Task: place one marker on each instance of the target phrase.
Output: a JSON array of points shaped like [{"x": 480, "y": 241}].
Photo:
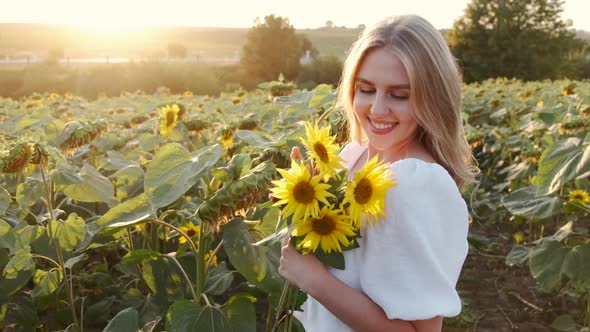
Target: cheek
[{"x": 360, "y": 104}]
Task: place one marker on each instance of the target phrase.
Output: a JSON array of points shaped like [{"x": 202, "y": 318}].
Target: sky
[{"x": 114, "y": 15}]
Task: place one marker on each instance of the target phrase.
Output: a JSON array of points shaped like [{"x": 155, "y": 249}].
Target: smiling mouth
[{"x": 381, "y": 126}]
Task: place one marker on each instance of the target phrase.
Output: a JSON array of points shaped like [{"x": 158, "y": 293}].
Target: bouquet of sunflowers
[{"x": 322, "y": 208}]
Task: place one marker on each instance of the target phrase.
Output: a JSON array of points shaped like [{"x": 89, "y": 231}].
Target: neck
[{"x": 392, "y": 155}]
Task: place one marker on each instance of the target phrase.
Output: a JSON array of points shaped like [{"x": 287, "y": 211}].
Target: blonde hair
[{"x": 435, "y": 83}]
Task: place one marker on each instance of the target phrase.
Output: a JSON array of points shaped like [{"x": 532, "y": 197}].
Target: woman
[{"x": 401, "y": 89}]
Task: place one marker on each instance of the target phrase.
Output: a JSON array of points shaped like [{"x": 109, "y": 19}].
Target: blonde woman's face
[{"x": 382, "y": 102}]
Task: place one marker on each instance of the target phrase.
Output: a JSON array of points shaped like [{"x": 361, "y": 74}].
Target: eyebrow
[{"x": 394, "y": 86}]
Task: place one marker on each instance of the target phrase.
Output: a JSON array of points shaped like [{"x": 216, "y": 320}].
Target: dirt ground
[{"x": 497, "y": 297}]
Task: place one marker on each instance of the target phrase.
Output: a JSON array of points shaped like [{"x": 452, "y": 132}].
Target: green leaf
[
  {"x": 48, "y": 284},
  {"x": 29, "y": 234},
  {"x": 164, "y": 279},
  {"x": 525, "y": 202},
  {"x": 333, "y": 259},
  {"x": 29, "y": 192},
  {"x": 322, "y": 94},
  {"x": 8, "y": 238},
  {"x": 128, "y": 180},
  {"x": 139, "y": 256},
  {"x": 21, "y": 261},
  {"x": 5, "y": 200},
  {"x": 583, "y": 168},
  {"x": 69, "y": 264},
  {"x": 269, "y": 222},
  {"x": 69, "y": 233},
  {"x": 251, "y": 137},
  {"x": 545, "y": 263},
  {"x": 558, "y": 165},
  {"x": 65, "y": 174},
  {"x": 258, "y": 264},
  {"x": 14, "y": 284},
  {"x": 564, "y": 323},
  {"x": 518, "y": 255},
  {"x": 173, "y": 171},
  {"x": 127, "y": 213},
  {"x": 219, "y": 279},
  {"x": 187, "y": 316},
  {"x": 94, "y": 188},
  {"x": 241, "y": 313},
  {"x": 576, "y": 265},
  {"x": 127, "y": 320}
]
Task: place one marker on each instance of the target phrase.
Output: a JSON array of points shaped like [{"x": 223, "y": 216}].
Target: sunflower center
[
  {"x": 363, "y": 191},
  {"x": 303, "y": 192},
  {"x": 169, "y": 119},
  {"x": 191, "y": 232},
  {"x": 321, "y": 151},
  {"x": 323, "y": 226}
]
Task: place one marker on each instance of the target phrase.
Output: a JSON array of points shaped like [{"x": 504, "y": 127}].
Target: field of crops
[{"x": 151, "y": 212}]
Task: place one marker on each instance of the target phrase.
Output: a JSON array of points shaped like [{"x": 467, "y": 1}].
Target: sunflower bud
[{"x": 17, "y": 159}]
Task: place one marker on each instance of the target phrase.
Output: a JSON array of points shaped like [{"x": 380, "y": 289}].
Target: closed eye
[{"x": 398, "y": 97}]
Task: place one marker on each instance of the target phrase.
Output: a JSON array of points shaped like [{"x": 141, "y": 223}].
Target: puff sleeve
[{"x": 413, "y": 257}]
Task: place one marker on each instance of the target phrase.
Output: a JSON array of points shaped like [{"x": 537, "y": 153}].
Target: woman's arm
[{"x": 352, "y": 307}]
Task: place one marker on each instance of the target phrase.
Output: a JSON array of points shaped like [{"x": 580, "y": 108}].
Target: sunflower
[
  {"x": 187, "y": 94},
  {"x": 329, "y": 230},
  {"x": 300, "y": 191},
  {"x": 320, "y": 146},
  {"x": 192, "y": 231},
  {"x": 579, "y": 196},
  {"x": 168, "y": 119},
  {"x": 227, "y": 138},
  {"x": 213, "y": 260},
  {"x": 366, "y": 192},
  {"x": 17, "y": 160}
]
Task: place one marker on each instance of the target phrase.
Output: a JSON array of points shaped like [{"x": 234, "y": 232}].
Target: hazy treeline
[
  {"x": 92, "y": 81},
  {"x": 524, "y": 39}
]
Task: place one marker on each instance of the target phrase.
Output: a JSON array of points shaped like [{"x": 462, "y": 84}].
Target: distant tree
[
  {"x": 525, "y": 39},
  {"x": 177, "y": 50},
  {"x": 306, "y": 45},
  {"x": 329, "y": 24},
  {"x": 326, "y": 69},
  {"x": 360, "y": 27},
  {"x": 54, "y": 55},
  {"x": 272, "y": 47}
]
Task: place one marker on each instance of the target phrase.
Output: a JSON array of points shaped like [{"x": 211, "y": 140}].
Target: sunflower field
[{"x": 151, "y": 212}]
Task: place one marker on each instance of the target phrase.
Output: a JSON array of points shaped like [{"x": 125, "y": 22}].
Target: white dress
[{"x": 410, "y": 261}]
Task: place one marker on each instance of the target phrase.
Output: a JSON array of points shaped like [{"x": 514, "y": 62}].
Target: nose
[{"x": 379, "y": 105}]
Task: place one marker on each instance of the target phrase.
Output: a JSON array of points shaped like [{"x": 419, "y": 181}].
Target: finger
[
  {"x": 285, "y": 240},
  {"x": 296, "y": 154}
]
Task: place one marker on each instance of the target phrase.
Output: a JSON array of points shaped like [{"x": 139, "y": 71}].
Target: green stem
[
  {"x": 190, "y": 284},
  {"x": 69, "y": 286},
  {"x": 201, "y": 273},
  {"x": 269, "y": 315},
  {"x": 208, "y": 263},
  {"x": 280, "y": 306},
  {"x": 199, "y": 255},
  {"x": 325, "y": 115},
  {"x": 130, "y": 239},
  {"x": 48, "y": 193},
  {"x": 47, "y": 259}
]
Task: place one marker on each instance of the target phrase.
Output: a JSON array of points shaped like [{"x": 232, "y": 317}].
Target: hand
[{"x": 303, "y": 271}]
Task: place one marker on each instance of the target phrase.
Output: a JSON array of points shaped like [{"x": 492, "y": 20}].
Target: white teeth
[{"x": 382, "y": 125}]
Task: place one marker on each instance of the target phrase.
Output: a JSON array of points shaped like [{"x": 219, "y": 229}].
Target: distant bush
[
  {"x": 93, "y": 80},
  {"x": 326, "y": 69}
]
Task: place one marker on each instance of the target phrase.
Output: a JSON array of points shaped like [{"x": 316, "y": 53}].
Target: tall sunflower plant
[{"x": 323, "y": 209}]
